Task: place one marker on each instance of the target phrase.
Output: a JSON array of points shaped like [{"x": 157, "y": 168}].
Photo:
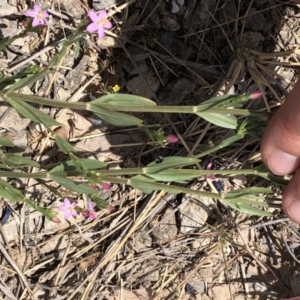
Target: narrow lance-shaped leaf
[
  {"x": 113, "y": 117},
  {"x": 6, "y": 142},
  {"x": 173, "y": 175},
  {"x": 47, "y": 212},
  {"x": 9, "y": 80},
  {"x": 78, "y": 163},
  {"x": 69, "y": 166},
  {"x": 225, "y": 143},
  {"x": 248, "y": 209},
  {"x": 9, "y": 192},
  {"x": 100, "y": 202},
  {"x": 70, "y": 184},
  {"x": 63, "y": 145},
  {"x": 14, "y": 160},
  {"x": 28, "y": 80},
  {"x": 8, "y": 40},
  {"x": 147, "y": 185},
  {"x": 169, "y": 162},
  {"x": 30, "y": 112},
  {"x": 221, "y": 120},
  {"x": 223, "y": 101},
  {"x": 116, "y": 100},
  {"x": 247, "y": 191}
]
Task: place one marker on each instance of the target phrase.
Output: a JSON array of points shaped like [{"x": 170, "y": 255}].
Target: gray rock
[
  {"x": 252, "y": 39},
  {"x": 104, "y": 4},
  {"x": 151, "y": 276},
  {"x": 165, "y": 230},
  {"x": 228, "y": 12},
  {"x": 170, "y": 22},
  {"x": 129, "y": 67},
  {"x": 197, "y": 283},
  {"x": 137, "y": 54},
  {"x": 256, "y": 21},
  {"x": 203, "y": 13},
  {"x": 19, "y": 138},
  {"x": 11, "y": 119},
  {"x": 138, "y": 86},
  {"x": 175, "y": 92},
  {"x": 295, "y": 283},
  {"x": 194, "y": 213}
]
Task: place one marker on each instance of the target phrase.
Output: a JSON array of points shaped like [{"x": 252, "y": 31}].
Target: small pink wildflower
[
  {"x": 209, "y": 167},
  {"x": 56, "y": 220},
  {"x": 39, "y": 16},
  {"x": 106, "y": 186},
  {"x": 68, "y": 208},
  {"x": 90, "y": 212},
  {"x": 110, "y": 208},
  {"x": 171, "y": 139},
  {"x": 99, "y": 22},
  {"x": 255, "y": 95}
]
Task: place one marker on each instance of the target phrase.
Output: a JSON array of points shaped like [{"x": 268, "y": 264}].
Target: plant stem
[
  {"x": 137, "y": 171},
  {"x": 123, "y": 108}
]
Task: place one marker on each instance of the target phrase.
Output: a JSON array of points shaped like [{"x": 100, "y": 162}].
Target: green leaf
[
  {"x": 248, "y": 209},
  {"x": 225, "y": 143},
  {"x": 247, "y": 191},
  {"x": 70, "y": 184},
  {"x": 28, "y": 80},
  {"x": 63, "y": 145},
  {"x": 116, "y": 100},
  {"x": 169, "y": 162},
  {"x": 221, "y": 120},
  {"x": 173, "y": 175},
  {"x": 114, "y": 117},
  {"x": 223, "y": 101},
  {"x": 30, "y": 112},
  {"x": 14, "y": 161},
  {"x": 47, "y": 212},
  {"x": 3, "y": 166},
  {"x": 4, "y": 42},
  {"x": 147, "y": 185},
  {"x": 58, "y": 57},
  {"x": 77, "y": 162},
  {"x": 266, "y": 174},
  {"x": 88, "y": 164},
  {"x": 53, "y": 190},
  {"x": 10, "y": 193},
  {"x": 6, "y": 142},
  {"x": 100, "y": 202}
]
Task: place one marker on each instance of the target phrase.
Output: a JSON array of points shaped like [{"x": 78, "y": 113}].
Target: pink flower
[
  {"x": 171, "y": 139},
  {"x": 255, "y": 95},
  {"x": 39, "y": 16},
  {"x": 111, "y": 208},
  {"x": 56, "y": 220},
  {"x": 99, "y": 22},
  {"x": 68, "y": 208},
  {"x": 209, "y": 167},
  {"x": 106, "y": 186},
  {"x": 90, "y": 212}
]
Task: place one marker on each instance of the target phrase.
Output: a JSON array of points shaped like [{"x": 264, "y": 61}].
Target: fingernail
[
  {"x": 282, "y": 163},
  {"x": 293, "y": 210}
]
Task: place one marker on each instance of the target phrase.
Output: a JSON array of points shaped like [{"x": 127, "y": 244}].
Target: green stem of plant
[
  {"x": 137, "y": 171},
  {"x": 120, "y": 108},
  {"x": 182, "y": 189}
]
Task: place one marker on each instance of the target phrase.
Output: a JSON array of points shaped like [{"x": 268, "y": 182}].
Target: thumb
[
  {"x": 280, "y": 149},
  {"x": 280, "y": 146}
]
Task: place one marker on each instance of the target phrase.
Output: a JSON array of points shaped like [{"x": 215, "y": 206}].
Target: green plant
[{"x": 113, "y": 108}]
